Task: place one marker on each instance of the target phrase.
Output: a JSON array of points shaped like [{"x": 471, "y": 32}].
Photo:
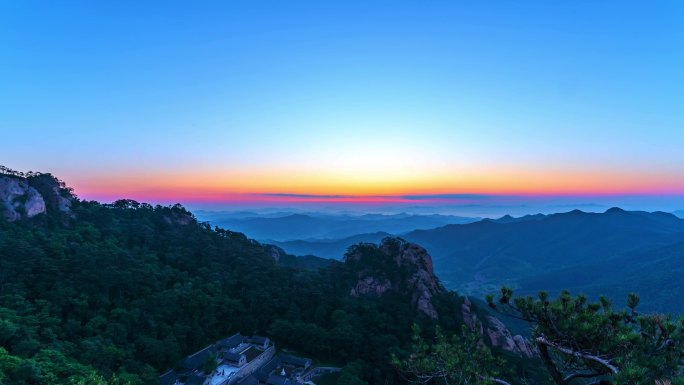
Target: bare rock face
[
  {"x": 34, "y": 203},
  {"x": 26, "y": 195},
  {"x": 495, "y": 330},
  {"x": 275, "y": 252},
  {"x": 370, "y": 286},
  {"x": 424, "y": 282},
  {"x": 407, "y": 267},
  {"x": 63, "y": 203},
  {"x": 18, "y": 199},
  {"x": 523, "y": 346},
  {"x": 469, "y": 318},
  {"x": 500, "y": 336},
  {"x": 179, "y": 219}
]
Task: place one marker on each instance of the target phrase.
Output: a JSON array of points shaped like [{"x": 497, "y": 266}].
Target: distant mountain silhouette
[
  {"x": 510, "y": 219},
  {"x": 296, "y": 226},
  {"x": 333, "y": 248},
  {"x": 656, "y": 274},
  {"x": 613, "y": 252},
  {"x": 610, "y": 253}
]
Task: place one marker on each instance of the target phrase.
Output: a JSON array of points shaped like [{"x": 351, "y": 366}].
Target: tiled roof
[
  {"x": 250, "y": 380},
  {"x": 196, "y": 360},
  {"x": 270, "y": 365},
  {"x": 168, "y": 378},
  {"x": 296, "y": 361},
  {"x": 277, "y": 380},
  {"x": 194, "y": 379},
  {"x": 259, "y": 340},
  {"x": 232, "y": 357},
  {"x": 231, "y": 342}
]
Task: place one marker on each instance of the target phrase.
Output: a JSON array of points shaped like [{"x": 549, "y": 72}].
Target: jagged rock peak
[
  {"x": 26, "y": 195},
  {"x": 396, "y": 265}
]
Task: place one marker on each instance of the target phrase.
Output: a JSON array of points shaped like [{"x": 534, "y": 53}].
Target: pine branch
[
  {"x": 589, "y": 357},
  {"x": 572, "y": 376}
]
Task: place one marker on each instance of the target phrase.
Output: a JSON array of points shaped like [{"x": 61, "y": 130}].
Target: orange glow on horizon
[{"x": 315, "y": 185}]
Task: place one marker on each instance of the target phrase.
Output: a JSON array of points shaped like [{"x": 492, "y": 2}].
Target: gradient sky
[{"x": 295, "y": 101}]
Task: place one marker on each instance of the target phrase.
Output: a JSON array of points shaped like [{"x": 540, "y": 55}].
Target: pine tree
[
  {"x": 459, "y": 359},
  {"x": 590, "y": 343}
]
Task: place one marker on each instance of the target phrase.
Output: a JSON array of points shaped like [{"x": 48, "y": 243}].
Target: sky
[{"x": 352, "y": 102}]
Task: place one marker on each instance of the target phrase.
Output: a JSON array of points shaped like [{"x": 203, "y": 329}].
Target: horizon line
[{"x": 455, "y": 198}]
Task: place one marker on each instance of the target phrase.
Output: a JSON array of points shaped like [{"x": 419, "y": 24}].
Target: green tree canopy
[
  {"x": 457, "y": 359},
  {"x": 582, "y": 342}
]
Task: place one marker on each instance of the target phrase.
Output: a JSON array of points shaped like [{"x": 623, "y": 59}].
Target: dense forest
[{"x": 114, "y": 294}]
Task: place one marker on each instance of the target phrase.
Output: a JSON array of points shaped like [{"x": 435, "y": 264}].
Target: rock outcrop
[
  {"x": 395, "y": 265},
  {"x": 18, "y": 199},
  {"x": 500, "y": 336},
  {"x": 275, "y": 252},
  {"x": 495, "y": 331},
  {"x": 29, "y": 195},
  {"x": 370, "y": 286},
  {"x": 181, "y": 219}
]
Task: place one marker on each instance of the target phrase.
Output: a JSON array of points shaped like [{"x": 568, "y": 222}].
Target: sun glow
[{"x": 368, "y": 175}]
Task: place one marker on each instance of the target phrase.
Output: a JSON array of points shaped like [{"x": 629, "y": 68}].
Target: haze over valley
[{"x": 592, "y": 253}]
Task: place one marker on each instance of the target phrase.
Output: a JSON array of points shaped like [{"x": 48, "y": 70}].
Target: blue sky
[{"x": 365, "y": 97}]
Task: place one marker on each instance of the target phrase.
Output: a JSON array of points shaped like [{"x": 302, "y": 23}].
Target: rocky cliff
[
  {"x": 395, "y": 265},
  {"x": 18, "y": 199},
  {"x": 495, "y": 332},
  {"x": 29, "y": 195}
]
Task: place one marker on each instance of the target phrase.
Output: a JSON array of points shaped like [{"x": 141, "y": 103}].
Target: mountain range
[
  {"x": 613, "y": 253},
  {"x": 286, "y": 226}
]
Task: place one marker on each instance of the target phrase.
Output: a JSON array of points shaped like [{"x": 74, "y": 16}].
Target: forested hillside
[
  {"x": 115, "y": 293},
  {"x": 615, "y": 253}
]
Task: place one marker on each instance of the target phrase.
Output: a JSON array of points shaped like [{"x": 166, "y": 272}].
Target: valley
[{"x": 612, "y": 253}]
